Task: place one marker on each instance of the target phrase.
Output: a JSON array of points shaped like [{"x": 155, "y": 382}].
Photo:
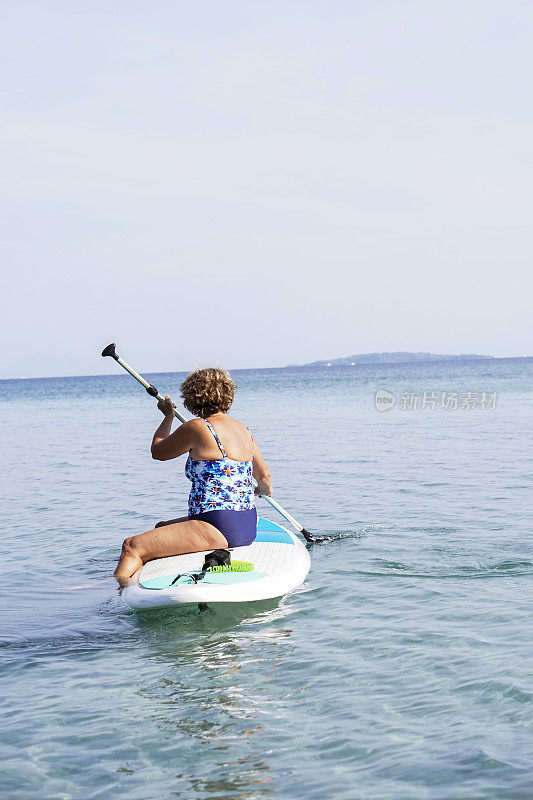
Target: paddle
[{"x": 153, "y": 392}]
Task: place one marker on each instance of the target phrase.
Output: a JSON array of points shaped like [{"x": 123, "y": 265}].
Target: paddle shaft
[{"x": 153, "y": 392}]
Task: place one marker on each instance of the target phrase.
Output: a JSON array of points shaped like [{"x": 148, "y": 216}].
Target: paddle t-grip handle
[{"x": 110, "y": 351}]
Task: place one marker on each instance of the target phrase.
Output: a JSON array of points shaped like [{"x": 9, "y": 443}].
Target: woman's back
[{"x": 235, "y": 438}]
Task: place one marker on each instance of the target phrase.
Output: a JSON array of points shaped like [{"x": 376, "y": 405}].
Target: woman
[{"x": 223, "y": 456}]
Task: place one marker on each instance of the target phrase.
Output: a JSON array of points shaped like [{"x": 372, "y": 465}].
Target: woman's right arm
[
  {"x": 262, "y": 474},
  {"x": 166, "y": 445}
]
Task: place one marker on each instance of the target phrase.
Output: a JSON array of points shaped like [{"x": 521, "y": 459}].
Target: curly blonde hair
[{"x": 206, "y": 391}]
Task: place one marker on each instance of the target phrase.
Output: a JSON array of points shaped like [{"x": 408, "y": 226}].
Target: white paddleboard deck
[{"x": 281, "y": 563}]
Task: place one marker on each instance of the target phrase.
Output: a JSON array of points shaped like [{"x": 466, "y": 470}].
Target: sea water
[{"x": 400, "y": 670}]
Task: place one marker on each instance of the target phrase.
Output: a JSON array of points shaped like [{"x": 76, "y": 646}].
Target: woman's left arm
[{"x": 166, "y": 445}]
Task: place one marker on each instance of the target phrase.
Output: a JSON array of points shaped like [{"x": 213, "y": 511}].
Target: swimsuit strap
[
  {"x": 253, "y": 441},
  {"x": 217, "y": 440}
]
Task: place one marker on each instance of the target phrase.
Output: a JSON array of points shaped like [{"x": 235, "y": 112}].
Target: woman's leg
[{"x": 169, "y": 540}]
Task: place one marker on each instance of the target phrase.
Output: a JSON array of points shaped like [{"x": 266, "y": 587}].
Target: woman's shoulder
[
  {"x": 237, "y": 426},
  {"x": 196, "y": 427},
  {"x": 236, "y": 421},
  {"x": 200, "y": 426}
]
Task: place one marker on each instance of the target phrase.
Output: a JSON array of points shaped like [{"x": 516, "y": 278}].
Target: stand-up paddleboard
[{"x": 279, "y": 559}]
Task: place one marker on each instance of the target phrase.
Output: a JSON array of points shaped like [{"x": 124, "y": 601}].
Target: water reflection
[{"x": 216, "y": 687}]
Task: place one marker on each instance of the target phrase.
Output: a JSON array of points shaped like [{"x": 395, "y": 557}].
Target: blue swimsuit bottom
[{"x": 239, "y": 527}]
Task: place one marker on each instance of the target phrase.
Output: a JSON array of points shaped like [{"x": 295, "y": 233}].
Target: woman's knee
[{"x": 130, "y": 546}]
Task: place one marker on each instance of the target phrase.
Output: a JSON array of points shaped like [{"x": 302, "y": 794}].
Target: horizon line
[{"x": 311, "y": 365}]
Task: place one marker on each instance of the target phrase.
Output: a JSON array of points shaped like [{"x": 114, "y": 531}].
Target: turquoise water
[{"x": 401, "y": 670}]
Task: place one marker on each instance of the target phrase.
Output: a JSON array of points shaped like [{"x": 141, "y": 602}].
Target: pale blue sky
[{"x": 256, "y": 184}]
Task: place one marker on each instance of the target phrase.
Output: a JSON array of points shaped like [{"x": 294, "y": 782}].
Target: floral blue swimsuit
[{"x": 222, "y": 493}]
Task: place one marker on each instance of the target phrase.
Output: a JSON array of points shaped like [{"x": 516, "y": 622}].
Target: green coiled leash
[{"x": 235, "y": 566}]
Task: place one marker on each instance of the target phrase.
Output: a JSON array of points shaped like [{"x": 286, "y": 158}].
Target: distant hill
[{"x": 390, "y": 358}]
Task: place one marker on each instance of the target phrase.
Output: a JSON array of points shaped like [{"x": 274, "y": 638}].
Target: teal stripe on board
[
  {"x": 268, "y": 531},
  {"x": 266, "y": 525},
  {"x": 220, "y": 578}
]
